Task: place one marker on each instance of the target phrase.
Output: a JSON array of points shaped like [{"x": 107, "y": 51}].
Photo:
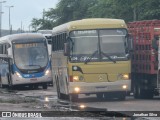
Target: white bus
[
  {"x": 24, "y": 60},
  {"x": 48, "y": 34}
]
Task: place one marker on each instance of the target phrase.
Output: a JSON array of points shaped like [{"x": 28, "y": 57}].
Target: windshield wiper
[
  {"x": 108, "y": 57},
  {"x": 92, "y": 55}
]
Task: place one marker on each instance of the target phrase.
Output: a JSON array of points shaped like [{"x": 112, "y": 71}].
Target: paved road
[
  {"x": 46, "y": 100},
  {"x": 26, "y": 99},
  {"x": 130, "y": 104}
]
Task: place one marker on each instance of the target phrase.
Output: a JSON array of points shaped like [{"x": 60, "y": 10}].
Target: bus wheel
[
  {"x": 44, "y": 86},
  {"x": 0, "y": 81},
  {"x": 10, "y": 86},
  {"x": 35, "y": 86},
  {"x": 58, "y": 89},
  {"x": 31, "y": 87},
  {"x": 99, "y": 96},
  {"x": 74, "y": 97},
  {"x": 122, "y": 96}
]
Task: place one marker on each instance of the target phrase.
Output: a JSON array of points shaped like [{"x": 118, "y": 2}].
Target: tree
[
  {"x": 151, "y": 10},
  {"x": 35, "y": 24},
  {"x": 68, "y": 10}
]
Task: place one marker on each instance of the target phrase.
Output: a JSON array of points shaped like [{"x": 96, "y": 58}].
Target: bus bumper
[
  {"x": 103, "y": 87},
  {"x": 23, "y": 81}
]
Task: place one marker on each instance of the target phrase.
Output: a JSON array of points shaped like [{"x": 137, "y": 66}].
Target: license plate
[
  {"x": 33, "y": 79},
  {"x": 101, "y": 88}
]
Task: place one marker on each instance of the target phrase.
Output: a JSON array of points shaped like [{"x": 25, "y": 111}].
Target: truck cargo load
[{"x": 145, "y": 83}]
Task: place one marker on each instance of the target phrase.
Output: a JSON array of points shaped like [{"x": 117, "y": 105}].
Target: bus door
[{"x": 5, "y": 70}]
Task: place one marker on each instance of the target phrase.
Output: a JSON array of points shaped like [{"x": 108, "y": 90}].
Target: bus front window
[
  {"x": 30, "y": 56},
  {"x": 109, "y": 45},
  {"x": 83, "y": 44},
  {"x": 112, "y": 43}
]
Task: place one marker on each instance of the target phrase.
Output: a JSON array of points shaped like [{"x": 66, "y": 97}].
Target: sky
[{"x": 23, "y": 12}]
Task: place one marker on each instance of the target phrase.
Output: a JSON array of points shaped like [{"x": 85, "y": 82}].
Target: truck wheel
[
  {"x": 145, "y": 94},
  {"x": 138, "y": 92},
  {"x": 45, "y": 86},
  {"x": 99, "y": 96},
  {"x": 142, "y": 94},
  {"x": 135, "y": 91},
  {"x": 149, "y": 94}
]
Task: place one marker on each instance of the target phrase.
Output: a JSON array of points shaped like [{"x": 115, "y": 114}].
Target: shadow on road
[{"x": 94, "y": 99}]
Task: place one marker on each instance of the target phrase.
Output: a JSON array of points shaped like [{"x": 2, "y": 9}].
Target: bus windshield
[
  {"x": 110, "y": 42},
  {"x": 30, "y": 56}
]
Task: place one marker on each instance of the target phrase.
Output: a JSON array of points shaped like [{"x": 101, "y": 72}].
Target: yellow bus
[{"x": 91, "y": 56}]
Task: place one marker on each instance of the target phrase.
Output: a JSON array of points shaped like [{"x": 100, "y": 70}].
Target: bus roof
[
  {"x": 91, "y": 23},
  {"x": 45, "y": 31},
  {"x": 21, "y": 36}
]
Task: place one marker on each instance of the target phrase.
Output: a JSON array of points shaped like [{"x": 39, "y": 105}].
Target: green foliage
[
  {"x": 151, "y": 10},
  {"x": 68, "y": 10}
]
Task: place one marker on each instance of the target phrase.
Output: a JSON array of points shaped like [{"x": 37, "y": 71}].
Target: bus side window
[
  {"x": 56, "y": 43},
  {"x": 53, "y": 38},
  {"x": 64, "y": 40},
  {"x": 1, "y": 49},
  {"x": 7, "y": 46},
  {"x": 4, "y": 49},
  {"x": 61, "y": 41}
]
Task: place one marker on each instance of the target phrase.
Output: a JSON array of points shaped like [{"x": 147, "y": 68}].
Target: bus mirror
[
  {"x": 130, "y": 42},
  {"x": 10, "y": 63},
  {"x": 66, "y": 49},
  {"x": 154, "y": 43}
]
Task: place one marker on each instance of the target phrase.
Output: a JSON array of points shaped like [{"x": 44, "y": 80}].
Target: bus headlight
[
  {"x": 77, "y": 89},
  {"x": 82, "y": 106},
  {"x": 75, "y": 78},
  {"x": 18, "y": 74},
  {"x": 47, "y": 72},
  {"x": 124, "y": 87},
  {"x": 78, "y": 78},
  {"x": 123, "y": 76}
]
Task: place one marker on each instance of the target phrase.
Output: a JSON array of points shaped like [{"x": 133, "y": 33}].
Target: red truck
[{"x": 145, "y": 58}]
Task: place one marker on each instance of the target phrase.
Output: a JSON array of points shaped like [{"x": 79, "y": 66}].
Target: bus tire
[
  {"x": 45, "y": 86},
  {"x": 99, "y": 96},
  {"x": 35, "y": 87},
  {"x": 31, "y": 87},
  {"x": 74, "y": 97},
  {"x": 122, "y": 96},
  {"x": 10, "y": 86},
  {"x": 1, "y": 82},
  {"x": 58, "y": 89}
]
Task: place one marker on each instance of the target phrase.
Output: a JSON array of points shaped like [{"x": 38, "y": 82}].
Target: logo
[
  {"x": 6, "y": 114},
  {"x": 100, "y": 77},
  {"x": 27, "y": 75}
]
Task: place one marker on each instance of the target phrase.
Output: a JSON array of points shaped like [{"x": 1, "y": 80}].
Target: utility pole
[
  {"x": 21, "y": 26},
  {"x": 1, "y": 2},
  {"x": 9, "y": 7}
]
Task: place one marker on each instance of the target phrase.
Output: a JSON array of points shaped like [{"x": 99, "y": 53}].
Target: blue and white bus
[{"x": 24, "y": 60}]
